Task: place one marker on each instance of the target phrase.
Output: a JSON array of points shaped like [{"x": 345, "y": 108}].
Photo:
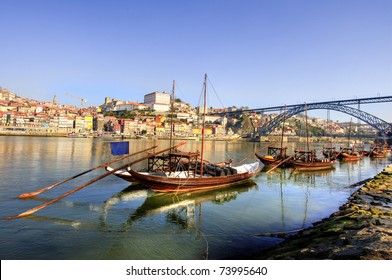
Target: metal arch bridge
[{"x": 382, "y": 126}]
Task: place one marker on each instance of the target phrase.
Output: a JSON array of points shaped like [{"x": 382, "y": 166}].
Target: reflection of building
[{"x": 158, "y": 101}]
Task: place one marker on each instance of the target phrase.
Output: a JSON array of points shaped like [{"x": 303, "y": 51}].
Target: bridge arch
[{"x": 382, "y": 126}]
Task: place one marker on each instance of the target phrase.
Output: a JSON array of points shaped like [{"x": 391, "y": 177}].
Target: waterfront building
[
  {"x": 88, "y": 123},
  {"x": 63, "y": 121},
  {"x": 130, "y": 127},
  {"x": 98, "y": 123},
  {"x": 79, "y": 124}
]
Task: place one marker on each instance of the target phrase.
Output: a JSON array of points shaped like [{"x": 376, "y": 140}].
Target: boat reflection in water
[
  {"x": 309, "y": 178},
  {"x": 182, "y": 209},
  {"x": 305, "y": 180},
  {"x": 300, "y": 177}
]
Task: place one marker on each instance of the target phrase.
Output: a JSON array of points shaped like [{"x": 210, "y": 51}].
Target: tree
[{"x": 247, "y": 126}]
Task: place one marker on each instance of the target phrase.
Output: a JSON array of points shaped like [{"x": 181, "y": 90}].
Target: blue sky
[{"x": 257, "y": 53}]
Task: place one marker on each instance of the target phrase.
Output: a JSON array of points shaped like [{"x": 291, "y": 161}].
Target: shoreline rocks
[{"x": 360, "y": 230}]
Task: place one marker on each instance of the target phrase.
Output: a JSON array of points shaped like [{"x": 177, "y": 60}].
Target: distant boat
[
  {"x": 349, "y": 154},
  {"x": 307, "y": 160},
  {"x": 377, "y": 151},
  {"x": 77, "y": 135},
  {"x": 330, "y": 152},
  {"x": 275, "y": 156}
]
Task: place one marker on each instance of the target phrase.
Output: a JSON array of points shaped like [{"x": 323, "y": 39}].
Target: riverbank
[
  {"x": 263, "y": 139},
  {"x": 360, "y": 230}
]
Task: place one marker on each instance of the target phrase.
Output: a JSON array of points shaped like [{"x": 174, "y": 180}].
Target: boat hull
[
  {"x": 313, "y": 165},
  {"x": 377, "y": 155},
  {"x": 169, "y": 184},
  {"x": 271, "y": 162},
  {"x": 348, "y": 157}
]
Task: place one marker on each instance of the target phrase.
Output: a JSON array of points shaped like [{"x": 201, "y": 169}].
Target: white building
[
  {"x": 158, "y": 101},
  {"x": 129, "y": 106}
]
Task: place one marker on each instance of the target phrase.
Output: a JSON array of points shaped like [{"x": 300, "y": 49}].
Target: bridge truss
[{"x": 380, "y": 125}]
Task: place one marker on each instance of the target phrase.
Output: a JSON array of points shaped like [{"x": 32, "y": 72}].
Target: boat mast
[
  {"x": 349, "y": 134},
  {"x": 281, "y": 139},
  {"x": 203, "y": 125},
  {"x": 171, "y": 118},
  {"x": 307, "y": 129}
]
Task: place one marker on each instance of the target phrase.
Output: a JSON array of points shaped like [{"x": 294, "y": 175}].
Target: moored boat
[
  {"x": 181, "y": 181},
  {"x": 315, "y": 165},
  {"x": 307, "y": 160},
  {"x": 377, "y": 151},
  {"x": 179, "y": 171},
  {"x": 330, "y": 152},
  {"x": 353, "y": 153},
  {"x": 275, "y": 156},
  {"x": 350, "y": 156}
]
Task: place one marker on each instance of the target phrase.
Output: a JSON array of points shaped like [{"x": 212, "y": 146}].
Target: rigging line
[
  {"x": 178, "y": 89},
  {"x": 182, "y": 184},
  {"x": 202, "y": 234},
  {"x": 215, "y": 92},
  {"x": 181, "y": 95},
  {"x": 201, "y": 95},
  {"x": 246, "y": 206}
]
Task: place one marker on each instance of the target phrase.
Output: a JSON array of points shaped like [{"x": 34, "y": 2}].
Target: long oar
[
  {"x": 338, "y": 154},
  {"x": 35, "y": 209},
  {"x": 283, "y": 161},
  {"x": 371, "y": 151},
  {"x": 28, "y": 195}
]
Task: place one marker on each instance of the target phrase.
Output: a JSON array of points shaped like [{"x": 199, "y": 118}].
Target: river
[{"x": 112, "y": 219}]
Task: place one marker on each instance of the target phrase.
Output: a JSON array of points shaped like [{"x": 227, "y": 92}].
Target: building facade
[{"x": 158, "y": 101}]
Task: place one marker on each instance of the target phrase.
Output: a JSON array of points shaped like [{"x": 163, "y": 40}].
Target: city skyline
[{"x": 256, "y": 53}]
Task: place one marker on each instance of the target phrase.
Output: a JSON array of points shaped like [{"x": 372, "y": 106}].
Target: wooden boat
[
  {"x": 315, "y": 165},
  {"x": 181, "y": 181},
  {"x": 377, "y": 154},
  {"x": 275, "y": 156},
  {"x": 377, "y": 151},
  {"x": 307, "y": 160},
  {"x": 179, "y": 171},
  {"x": 351, "y": 152},
  {"x": 330, "y": 152},
  {"x": 350, "y": 156},
  {"x": 182, "y": 165}
]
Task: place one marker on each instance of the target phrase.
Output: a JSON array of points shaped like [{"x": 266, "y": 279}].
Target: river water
[{"x": 112, "y": 219}]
